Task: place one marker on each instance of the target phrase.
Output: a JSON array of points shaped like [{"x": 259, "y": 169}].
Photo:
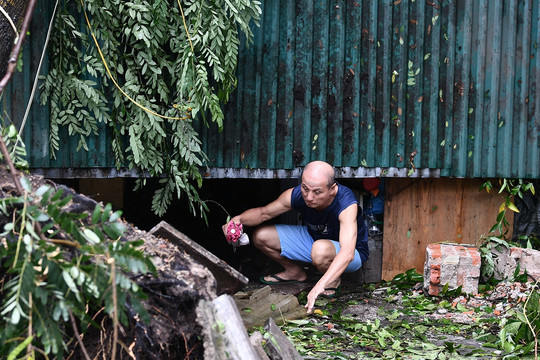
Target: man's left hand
[{"x": 312, "y": 297}]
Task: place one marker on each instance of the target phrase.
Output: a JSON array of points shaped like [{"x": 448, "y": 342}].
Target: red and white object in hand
[{"x": 235, "y": 235}]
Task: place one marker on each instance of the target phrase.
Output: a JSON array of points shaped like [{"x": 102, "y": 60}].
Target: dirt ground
[{"x": 398, "y": 321}]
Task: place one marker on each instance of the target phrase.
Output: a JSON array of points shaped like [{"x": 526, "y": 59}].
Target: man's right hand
[{"x": 224, "y": 227}]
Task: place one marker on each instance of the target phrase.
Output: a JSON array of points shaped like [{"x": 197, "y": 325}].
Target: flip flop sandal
[
  {"x": 336, "y": 291},
  {"x": 278, "y": 280}
]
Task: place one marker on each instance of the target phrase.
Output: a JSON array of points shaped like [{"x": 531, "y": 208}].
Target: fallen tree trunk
[{"x": 14, "y": 22}]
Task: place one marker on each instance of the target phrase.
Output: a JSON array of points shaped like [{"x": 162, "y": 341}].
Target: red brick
[{"x": 476, "y": 259}]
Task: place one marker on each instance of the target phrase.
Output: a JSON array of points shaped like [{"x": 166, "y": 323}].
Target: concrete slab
[
  {"x": 256, "y": 339},
  {"x": 228, "y": 279}
]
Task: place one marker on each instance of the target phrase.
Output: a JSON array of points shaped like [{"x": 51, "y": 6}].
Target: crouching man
[{"x": 333, "y": 237}]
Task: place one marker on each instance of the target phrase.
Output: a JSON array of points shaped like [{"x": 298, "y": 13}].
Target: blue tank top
[{"x": 324, "y": 224}]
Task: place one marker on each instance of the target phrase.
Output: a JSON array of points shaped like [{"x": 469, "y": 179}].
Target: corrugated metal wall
[
  {"x": 368, "y": 83},
  {"x": 14, "y": 104},
  {"x": 16, "y": 96},
  {"x": 448, "y": 87}
]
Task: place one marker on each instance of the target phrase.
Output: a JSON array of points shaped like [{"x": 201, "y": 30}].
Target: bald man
[{"x": 333, "y": 237}]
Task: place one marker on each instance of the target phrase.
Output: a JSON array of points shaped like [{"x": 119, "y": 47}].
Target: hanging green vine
[{"x": 148, "y": 69}]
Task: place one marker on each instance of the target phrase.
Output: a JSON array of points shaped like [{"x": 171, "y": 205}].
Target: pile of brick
[
  {"x": 509, "y": 259},
  {"x": 458, "y": 265}
]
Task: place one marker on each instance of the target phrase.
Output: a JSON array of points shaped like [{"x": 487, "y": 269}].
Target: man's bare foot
[{"x": 332, "y": 288}]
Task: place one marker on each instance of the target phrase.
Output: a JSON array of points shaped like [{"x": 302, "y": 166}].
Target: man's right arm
[{"x": 258, "y": 215}]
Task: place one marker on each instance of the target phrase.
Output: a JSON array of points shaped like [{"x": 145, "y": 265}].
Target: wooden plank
[{"x": 419, "y": 212}]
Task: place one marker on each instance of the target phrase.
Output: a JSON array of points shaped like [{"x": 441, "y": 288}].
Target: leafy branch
[
  {"x": 499, "y": 232},
  {"x": 519, "y": 335},
  {"x": 151, "y": 63},
  {"x": 60, "y": 267}
]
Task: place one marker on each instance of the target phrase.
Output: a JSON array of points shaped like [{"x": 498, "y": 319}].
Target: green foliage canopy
[{"x": 172, "y": 58}]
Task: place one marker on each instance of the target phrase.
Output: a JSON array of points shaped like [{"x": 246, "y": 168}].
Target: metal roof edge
[
  {"x": 240, "y": 173},
  {"x": 76, "y": 173},
  {"x": 341, "y": 172}
]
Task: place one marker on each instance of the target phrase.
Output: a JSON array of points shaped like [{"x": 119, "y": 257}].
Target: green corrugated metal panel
[
  {"x": 36, "y": 127},
  {"x": 16, "y": 96},
  {"x": 362, "y": 85},
  {"x": 368, "y": 83}
]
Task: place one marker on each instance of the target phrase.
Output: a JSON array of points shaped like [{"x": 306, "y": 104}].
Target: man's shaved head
[{"x": 321, "y": 169}]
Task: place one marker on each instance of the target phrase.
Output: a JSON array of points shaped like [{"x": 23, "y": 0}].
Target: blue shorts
[{"x": 296, "y": 244}]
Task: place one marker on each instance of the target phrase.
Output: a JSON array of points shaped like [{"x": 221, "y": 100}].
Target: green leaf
[
  {"x": 512, "y": 207},
  {"x": 106, "y": 212},
  {"x": 57, "y": 195},
  {"x": 42, "y": 190},
  {"x": 25, "y": 183},
  {"x": 512, "y": 327},
  {"x": 96, "y": 215},
  {"x": 114, "y": 230},
  {"x": 19, "y": 349},
  {"x": 69, "y": 282},
  {"x": 298, "y": 322},
  {"x": 115, "y": 216},
  {"x": 90, "y": 236},
  {"x": 42, "y": 217}
]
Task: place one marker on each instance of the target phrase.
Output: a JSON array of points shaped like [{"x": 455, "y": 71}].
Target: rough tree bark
[{"x": 14, "y": 9}]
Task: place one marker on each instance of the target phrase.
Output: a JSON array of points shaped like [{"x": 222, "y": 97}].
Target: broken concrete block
[
  {"x": 453, "y": 264},
  {"x": 257, "y": 306},
  {"x": 228, "y": 280},
  {"x": 225, "y": 336},
  {"x": 249, "y": 298},
  {"x": 278, "y": 346},
  {"x": 508, "y": 259}
]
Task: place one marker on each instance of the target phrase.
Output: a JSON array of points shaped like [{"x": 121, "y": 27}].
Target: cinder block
[{"x": 452, "y": 264}]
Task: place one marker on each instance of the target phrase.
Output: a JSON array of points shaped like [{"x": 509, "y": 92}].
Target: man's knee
[
  {"x": 323, "y": 252},
  {"x": 264, "y": 235}
]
